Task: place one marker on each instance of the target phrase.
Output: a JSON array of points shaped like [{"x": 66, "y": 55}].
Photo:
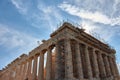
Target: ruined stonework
[{"x": 72, "y": 54}]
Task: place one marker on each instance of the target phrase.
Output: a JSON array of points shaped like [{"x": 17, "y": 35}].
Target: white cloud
[
  {"x": 95, "y": 5},
  {"x": 115, "y": 21},
  {"x": 11, "y": 38},
  {"x": 19, "y": 5},
  {"x": 38, "y": 14},
  {"x": 96, "y": 16},
  {"x": 116, "y": 8},
  {"x": 15, "y": 43},
  {"x": 88, "y": 26},
  {"x": 99, "y": 32},
  {"x": 50, "y": 15}
]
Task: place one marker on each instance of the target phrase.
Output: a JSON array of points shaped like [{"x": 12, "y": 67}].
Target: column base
[
  {"x": 74, "y": 79},
  {"x": 108, "y": 78},
  {"x": 117, "y": 78},
  {"x": 95, "y": 79},
  {"x": 68, "y": 79}
]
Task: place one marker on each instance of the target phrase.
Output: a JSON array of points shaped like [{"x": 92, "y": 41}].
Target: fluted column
[
  {"x": 68, "y": 59},
  {"x": 115, "y": 67},
  {"x": 111, "y": 66},
  {"x": 57, "y": 67},
  {"x": 34, "y": 74},
  {"x": 49, "y": 64},
  {"x": 25, "y": 69},
  {"x": 95, "y": 63},
  {"x": 101, "y": 65},
  {"x": 7, "y": 76},
  {"x": 88, "y": 66},
  {"x": 107, "y": 66},
  {"x": 21, "y": 72},
  {"x": 79, "y": 63},
  {"x": 41, "y": 67},
  {"x": 10, "y": 75},
  {"x": 29, "y": 69},
  {"x": 16, "y": 72}
]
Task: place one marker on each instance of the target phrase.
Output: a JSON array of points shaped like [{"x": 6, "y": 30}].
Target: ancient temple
[{"x": 69, "y": 54}]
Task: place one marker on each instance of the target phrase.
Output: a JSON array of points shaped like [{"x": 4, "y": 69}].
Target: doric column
[
  {"x": 49, "y": 64},
  {"x": 115, "y": 67},
  {"x": 95, "y": 63},
  {"x": 24, "y": 71},
  {"x": 34, "y": 74},
  {"x": 7, "y": 76},
  {"x": 107, "y": 66},
  {"x": 56, "y": 61},
  {"x": 10, "y": 75},
  {"x": 88, "y": 66},
  {"x": 16, "y": 72},
  {"x": 29, "y": 69},
  {"x": 41, "y": 67},
  {"x": 68, "y": 60},
  {"x": 101, "y": 65},
  {"x": 21, "y": 72},
  {"x": 111, "y": 66},
  {"x": 79, "y": 63}
]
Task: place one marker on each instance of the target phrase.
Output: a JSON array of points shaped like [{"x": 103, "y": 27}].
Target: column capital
[
  {"x": 86, "y": 46},
  {"x": 67, "y": 39},
  {"x": 94, "y": 50},
  {"x": 30, "y": 59},
  {"x": 50, "y": 47}
]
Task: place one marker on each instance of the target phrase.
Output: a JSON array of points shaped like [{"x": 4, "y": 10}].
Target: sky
[{"x": 24, "y": 23}]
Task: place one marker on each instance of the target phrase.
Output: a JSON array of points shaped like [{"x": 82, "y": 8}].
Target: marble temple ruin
[{"x": 71, "y": 54}]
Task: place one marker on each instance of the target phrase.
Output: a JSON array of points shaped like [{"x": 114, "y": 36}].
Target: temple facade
[{"x": 69, "y": 54}]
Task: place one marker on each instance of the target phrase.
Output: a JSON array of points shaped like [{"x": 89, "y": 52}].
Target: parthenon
[{"x": 71, "y": 54}]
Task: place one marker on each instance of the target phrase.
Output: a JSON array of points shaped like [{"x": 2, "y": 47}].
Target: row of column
[
  {"x": 41, "y": 70},
  {"x": 97, "y": 64},
  {"x": 28, "y": 69}
]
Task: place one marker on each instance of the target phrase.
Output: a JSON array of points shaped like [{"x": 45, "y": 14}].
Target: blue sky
[{"x": 24, "y": 22}]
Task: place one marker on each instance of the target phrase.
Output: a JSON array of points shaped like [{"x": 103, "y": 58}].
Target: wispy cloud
[
  {"x": 95, "y": 16},
  {"x": 116, "y": 8},
  {"x": 46, "y": 16},
  {"x": 11, "y": 38},
  {"x": 15, "y": 43},
  {"x": 38, "y": 14},
  {"x": 19, "y": 6},
  {"x": 51, "y": 14},
  {"x": 99, "y": 31}
]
